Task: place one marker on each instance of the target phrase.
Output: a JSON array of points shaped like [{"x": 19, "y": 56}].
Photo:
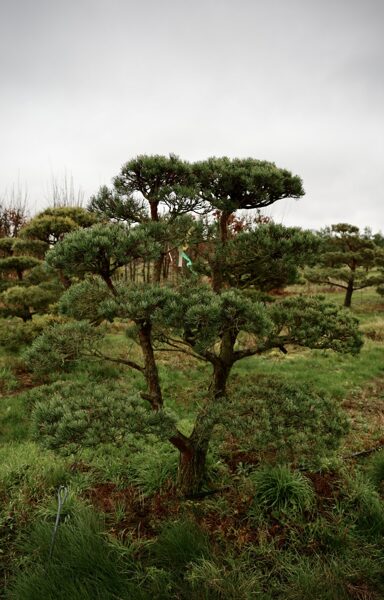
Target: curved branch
[{"x": 121, "y": 361}]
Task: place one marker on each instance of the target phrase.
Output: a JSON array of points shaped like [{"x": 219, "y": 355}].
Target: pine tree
[
  {"x": 347, "y": 260},
  {"x": 217, "y": 328}
]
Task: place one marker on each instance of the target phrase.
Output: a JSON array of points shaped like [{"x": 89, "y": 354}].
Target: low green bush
[
  {"x": 285, "y": 422},
  {"x": 61, "y": 346},
  {"x": 70, "y": 416},
  {"x": 15, "y": 334}
]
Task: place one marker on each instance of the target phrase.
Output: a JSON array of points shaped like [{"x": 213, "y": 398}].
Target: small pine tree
[{"x": 347, "y": 260}]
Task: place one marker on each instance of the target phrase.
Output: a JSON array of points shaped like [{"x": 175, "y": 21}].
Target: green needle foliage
[
  {"x": 24, "y": 302},
  {"x": 233, "y": 184},
  {"x": 51, "y": 225},
  {"x": 145, "y": 187},
  {"x": 19, "y": 264},
  {"x": 285, "y": 422},
  {"x": 316, "y": 323},
  {"x": 218, "y": 326},
  {"x": 348, "y": 260},
  {"x": 228, "y": 185},
  {"x": 101, "y": 250},
  {"x": 268, "y": 257},
  {"x": 71, "y": 416},
  {"x": 61, "y": 346},
  {"x": 15, "y": 333}
]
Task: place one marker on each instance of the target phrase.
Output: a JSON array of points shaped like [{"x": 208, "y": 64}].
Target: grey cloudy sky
[{"x": 88, "y": 84}]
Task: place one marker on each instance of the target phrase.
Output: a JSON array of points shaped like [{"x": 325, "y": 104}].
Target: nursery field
[{"x": 90, "y": 510}]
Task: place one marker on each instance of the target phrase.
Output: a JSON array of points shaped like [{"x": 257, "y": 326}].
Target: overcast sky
[{"x": 88, "y": 84}]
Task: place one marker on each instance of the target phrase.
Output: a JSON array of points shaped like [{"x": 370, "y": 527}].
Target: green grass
[
  {"x": 325, "y": 371},
  {"x": 14, "y": 421}
]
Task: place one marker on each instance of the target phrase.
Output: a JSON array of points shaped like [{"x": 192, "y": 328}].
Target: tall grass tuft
[
  {"x": 279, "y": 489},
  {"x": 84, "y": 565}
]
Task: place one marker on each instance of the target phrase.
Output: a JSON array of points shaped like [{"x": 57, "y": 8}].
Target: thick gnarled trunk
[{"x": 192, "y": 464}]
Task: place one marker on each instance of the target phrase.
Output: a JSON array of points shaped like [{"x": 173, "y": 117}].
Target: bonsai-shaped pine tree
[
  {"x": 228, "y": 185},
  {"x": 348, "y": 260},
  {"x": 145, "y": 187},
  {"x": 150, "y": 188},
  {"x": 219, "y": 329},
  {"x": 28, "y": 286},
  {"x": 52, "y": 224}
]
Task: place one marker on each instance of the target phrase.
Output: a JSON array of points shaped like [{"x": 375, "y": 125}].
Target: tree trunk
[
  {"x": 224, "y": 218},
  {"x": 192, "y": 469},
  {"x": 154, "y": 210},
  {"x": 151, "y": 373},
  {"x": 217, "y": 274},
  {"x": 348, "y": 295},
  {"x": 108, "y": 281},
  {"x": 192, "y": 463},
  {"x": 157, "y": 269},
  {"x": 27, "y": 315},
  {"x": 220, "y": 377}
]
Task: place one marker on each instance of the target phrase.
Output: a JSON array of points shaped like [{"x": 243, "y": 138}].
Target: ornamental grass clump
[{"x": 281, "y": 490}]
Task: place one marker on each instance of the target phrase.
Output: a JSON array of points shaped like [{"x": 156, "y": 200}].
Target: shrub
[
  {"x": 77, "y": 415},
  {"x": 14, "y": 333},
  {"x": 289, "y": 422},
  {"x": 279, "y": 489},
  {"x": 60, "y": 347}
]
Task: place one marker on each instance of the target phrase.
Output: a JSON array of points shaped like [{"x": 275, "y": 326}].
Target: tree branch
[
  {"x": 180, "y": 441},
  {"x": 327, "y": 282},
  {"x": 121, "y": 361},
  {"x": 176, "y": 348}
]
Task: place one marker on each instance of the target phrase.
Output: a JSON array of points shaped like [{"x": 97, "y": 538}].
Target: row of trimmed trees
[
  {"x": 217, "y": 313},
  {"x": 166, "y": 194}
]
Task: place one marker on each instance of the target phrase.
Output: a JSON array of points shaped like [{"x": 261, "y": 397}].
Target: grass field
[{"x": 273, "y": 529}]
